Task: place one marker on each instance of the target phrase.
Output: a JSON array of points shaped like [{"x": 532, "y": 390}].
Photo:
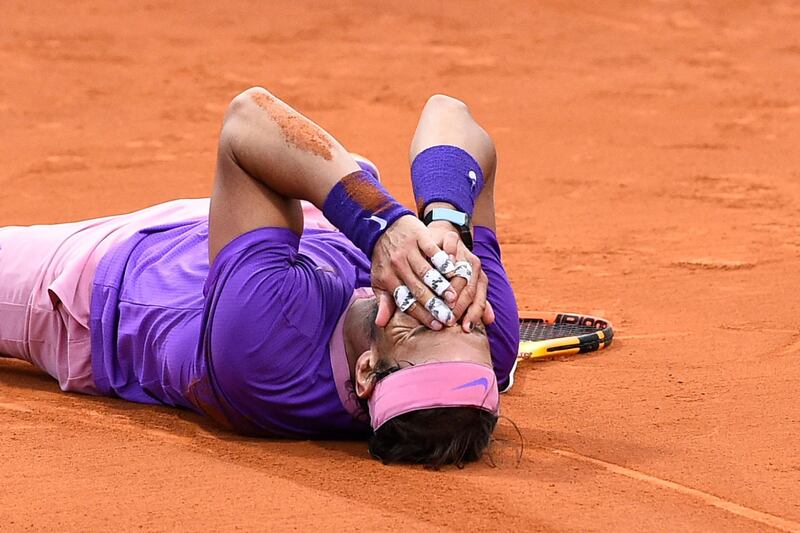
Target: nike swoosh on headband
[{"x": 475, "y": 383}]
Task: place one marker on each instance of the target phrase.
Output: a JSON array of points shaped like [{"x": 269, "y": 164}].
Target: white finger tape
[
  {"x": 403, "y": 298},
  {"x": 439, "y": 310},
  {"x": 464, "y": 270},
  {"x": 436, "y": 282},
  {"x": 442, "y": 262}
]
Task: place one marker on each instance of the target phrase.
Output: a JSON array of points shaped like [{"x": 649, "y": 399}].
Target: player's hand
[
  {"x": 471, "y": 305},
  {"x": 403, "y": 275}
]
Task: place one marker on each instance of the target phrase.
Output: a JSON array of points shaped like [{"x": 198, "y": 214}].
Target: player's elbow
[
  {"x": 242, "y": 114},
  {"x": 444, "y": 103},
  {"x": 245, "y": 104},
  {"x": 455, "y": 118}
]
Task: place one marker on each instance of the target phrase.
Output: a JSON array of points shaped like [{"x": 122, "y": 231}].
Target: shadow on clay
[
  {"x": 528, "y": 457},
  {"x": 23, "y": 375}
]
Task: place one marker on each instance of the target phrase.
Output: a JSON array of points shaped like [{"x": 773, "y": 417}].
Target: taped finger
[
  {"x": 463, "y": 269},
  {"x": 441, "y": 260},
  {"x": 403, "y": 298},
  {"x": 439, "y": 310},
  {"x": 436, "y": 282}
]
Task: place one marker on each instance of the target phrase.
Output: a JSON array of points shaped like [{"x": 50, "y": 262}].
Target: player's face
[{"x": 404, "y": 340}]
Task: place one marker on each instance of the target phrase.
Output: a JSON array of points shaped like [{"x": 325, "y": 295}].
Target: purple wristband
[
  {"x": 362, "y": 209},
  {"x": 446, "y": 174}
]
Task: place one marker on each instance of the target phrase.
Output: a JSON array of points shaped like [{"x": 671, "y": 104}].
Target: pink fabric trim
[
  {"x": 442, "y": 384},
  {"x": 313, "y": 217},
  {"x": 341, "y": 366}
]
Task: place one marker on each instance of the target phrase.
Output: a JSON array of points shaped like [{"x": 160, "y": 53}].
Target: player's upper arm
[
  {"x": 239, "y": 201},
  {"x": 504, "y": 332},
  {"x": 267, "y": 308}
]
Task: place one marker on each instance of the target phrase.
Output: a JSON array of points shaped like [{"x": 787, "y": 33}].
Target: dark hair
[{"x": 433, "y": 437}]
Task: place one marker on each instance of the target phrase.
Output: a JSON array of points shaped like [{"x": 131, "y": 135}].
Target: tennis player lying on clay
[{"x": 265, "y": 312}]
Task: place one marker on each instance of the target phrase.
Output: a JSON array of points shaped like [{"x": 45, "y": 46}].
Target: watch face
[
  {"x": 456, "y": 217},
  {"x": 461, "y": 218}
]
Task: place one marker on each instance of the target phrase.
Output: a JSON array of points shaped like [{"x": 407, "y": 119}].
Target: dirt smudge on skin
[{"x": 296, "y": 129}]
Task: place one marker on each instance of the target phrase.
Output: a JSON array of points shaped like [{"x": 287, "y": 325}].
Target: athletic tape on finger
[
  {"x": 464, "y": 270},
  {"x": 441, "y": 260},
  {"x": 436, "y": 282},
  {"x": 439, "y": 310},
  {"x": 403, "y": 298}
]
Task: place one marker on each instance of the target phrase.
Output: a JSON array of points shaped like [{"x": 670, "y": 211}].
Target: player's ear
[{"x": 365, "y": 373}]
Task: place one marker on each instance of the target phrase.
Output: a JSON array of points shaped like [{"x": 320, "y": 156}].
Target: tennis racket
[{"x": 546, "y": 334}]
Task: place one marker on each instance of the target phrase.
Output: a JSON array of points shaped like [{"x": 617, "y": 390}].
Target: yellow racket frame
[{"x": 563, "y": 346}]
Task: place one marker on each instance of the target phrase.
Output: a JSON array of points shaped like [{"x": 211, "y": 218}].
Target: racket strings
[{"x": 539, "y": 331}]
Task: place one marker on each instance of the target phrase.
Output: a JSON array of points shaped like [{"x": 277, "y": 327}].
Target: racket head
[{"x": 548, "y": 334}]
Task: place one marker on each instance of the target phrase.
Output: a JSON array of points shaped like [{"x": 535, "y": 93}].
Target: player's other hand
[
  {"x": 471, "y": 306},
  {"x": 403, "y": 275}
]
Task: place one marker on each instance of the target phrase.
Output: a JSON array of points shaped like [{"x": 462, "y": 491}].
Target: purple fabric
[
  {"x": 446, "y": 174},
  {"x": 504, "y": 332},
  {"x": 362, "y": 209},
  {"x": 246, "y": 342},
  {"x": 368, "y": 167},
  {"x": 143, "y": 322}
]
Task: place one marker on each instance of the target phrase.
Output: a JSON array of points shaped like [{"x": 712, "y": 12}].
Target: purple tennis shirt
[{"x": 254, "y": 341}]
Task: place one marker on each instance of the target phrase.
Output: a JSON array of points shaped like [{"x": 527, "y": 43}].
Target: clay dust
[{"x": 296, "y": 130}]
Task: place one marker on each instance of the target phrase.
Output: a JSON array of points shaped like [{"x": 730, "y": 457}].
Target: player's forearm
[
  {"x": 453, "y": 158},
  {"x": 295, "y": 158},
  {"x": 484, "y": 208},
  {"x": 281, "y": 149}
]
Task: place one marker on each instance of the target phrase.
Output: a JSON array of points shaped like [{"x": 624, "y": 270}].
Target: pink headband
[{"x": 443, "y": 384}]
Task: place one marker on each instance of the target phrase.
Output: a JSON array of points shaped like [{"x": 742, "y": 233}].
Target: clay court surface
[{"x": 649, "y": 172}]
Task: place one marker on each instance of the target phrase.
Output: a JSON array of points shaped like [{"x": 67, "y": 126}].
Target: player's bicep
[
  {"x": 239, "y": 202},
  {"x": 263, "y": 317}
]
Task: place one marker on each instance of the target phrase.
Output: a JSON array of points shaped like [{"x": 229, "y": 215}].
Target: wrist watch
[{"x": 456, "y": 218}]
